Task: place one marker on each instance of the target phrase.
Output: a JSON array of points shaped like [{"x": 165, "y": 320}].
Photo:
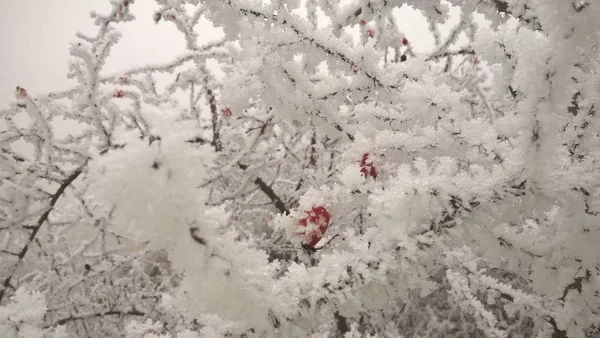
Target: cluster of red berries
[
  {"x": 370, "y": 32},
  {"x": 320, "y": 217},
  {"x": 158, "y": 15}
]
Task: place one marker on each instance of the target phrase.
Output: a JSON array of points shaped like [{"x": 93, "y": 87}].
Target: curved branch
[{"x": 43, "y": 218}]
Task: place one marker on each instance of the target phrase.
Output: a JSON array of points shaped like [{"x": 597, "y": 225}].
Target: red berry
[
  {"x": 405, "y": 41},
  {"x": 21, "y": 92},
  {"x": 31, "y": 169},
  {"x": 367, "y": 169},
  {"x": 119, "y": 93},
  {"x": 363, "y": 23},
  {"x": 320, "y": 217},
  {"x": 226, "y": 111},
  {"x": 370, "y": 32},
  {"x": 476, "y": 61}
]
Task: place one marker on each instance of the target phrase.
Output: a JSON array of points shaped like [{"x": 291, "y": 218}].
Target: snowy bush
[{"x": 314, "y": 171}]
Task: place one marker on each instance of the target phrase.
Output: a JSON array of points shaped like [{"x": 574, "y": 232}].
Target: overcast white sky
[{"x": 35, "y": 37}]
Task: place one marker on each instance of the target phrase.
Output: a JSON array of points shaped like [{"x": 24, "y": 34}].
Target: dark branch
[
  {"x": 576, "y": 285},
  {"x": 197, "y": 139},
  {"x": 262, "y": 185},
  {"x": 272, "y": 195},
  {"x": 43, "y": 218},
  {"x": 342, "y": 324},
  {"x": 503, "y": 7},
  {"x": 451, "y": 53},
  {"x": 302, "y": 35},
  {"x": 96, "y": 315},
  {"x": 216, "y": 142},
  {"x": 196, "y": 237}
]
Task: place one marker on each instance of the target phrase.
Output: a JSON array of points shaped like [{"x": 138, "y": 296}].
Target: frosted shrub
[{"x": 324, "y": 175}]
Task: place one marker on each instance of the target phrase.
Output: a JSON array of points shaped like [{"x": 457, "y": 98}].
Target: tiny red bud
[
  {"x": 404, "y": 41},
  {"x": 370, "y": 32},
  {"x": 226, "y": 111},
  {"x": 363, "y": 23},
  {"x": 476, "y": 61},
  {"x": 31, "y": 169},
  {"x": 367, "y": 169},
  {"x": 157, "y": 17},
  {"x": 21, "y": 92},
  {"x": 119, "y": 93},
  {"x": 125, "y": 2}
]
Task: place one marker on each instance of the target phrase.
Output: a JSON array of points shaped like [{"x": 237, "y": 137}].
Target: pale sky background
[{"x": 35, "y": 37}]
